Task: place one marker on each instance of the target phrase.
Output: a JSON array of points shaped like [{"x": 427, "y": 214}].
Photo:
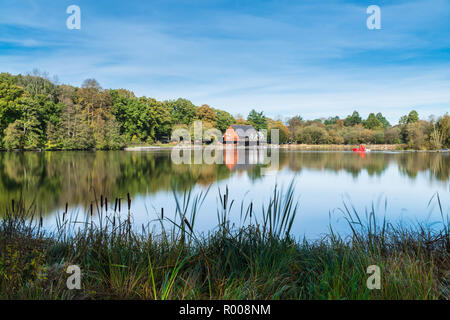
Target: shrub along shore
[
  {"x": 257, "y": 259},
  {"x": 343, "y": 147}
]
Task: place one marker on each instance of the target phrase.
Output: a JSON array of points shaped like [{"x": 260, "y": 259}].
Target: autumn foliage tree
[{"x": 206, "y": 114}]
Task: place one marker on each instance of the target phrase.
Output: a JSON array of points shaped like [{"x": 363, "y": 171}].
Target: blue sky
[{"x": 285, "y": 57}]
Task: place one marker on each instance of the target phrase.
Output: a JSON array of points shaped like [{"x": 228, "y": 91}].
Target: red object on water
[{"x": 360, "y": 149}]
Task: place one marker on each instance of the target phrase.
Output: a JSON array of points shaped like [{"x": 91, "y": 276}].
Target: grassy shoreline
[
  {"x": 341, "y": 147},
  {"x": 311, "y": 147},
  {"x": 256, "y": 260}
]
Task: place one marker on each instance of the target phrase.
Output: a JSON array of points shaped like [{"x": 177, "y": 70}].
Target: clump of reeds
[{"x": 256, "y": 259}]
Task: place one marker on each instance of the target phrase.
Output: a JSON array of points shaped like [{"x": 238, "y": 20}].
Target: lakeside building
[{"x": 245, "y": 135}]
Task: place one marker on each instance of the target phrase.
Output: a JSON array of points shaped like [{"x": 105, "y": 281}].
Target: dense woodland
[{"x": 37, "y": 113}]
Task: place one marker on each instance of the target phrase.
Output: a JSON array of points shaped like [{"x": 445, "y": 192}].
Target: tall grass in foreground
[{"x": 258, "y": 259}]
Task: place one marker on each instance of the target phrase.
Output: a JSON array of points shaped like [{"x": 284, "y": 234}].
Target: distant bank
[{"x": 324, "y": 147}]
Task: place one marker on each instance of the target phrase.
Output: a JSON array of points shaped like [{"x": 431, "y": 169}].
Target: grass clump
[{"x": 259, "y": 259}]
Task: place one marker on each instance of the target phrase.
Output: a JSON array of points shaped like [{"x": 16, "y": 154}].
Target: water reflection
[
  {"x": 51, "y": 179},
  {"x": 244, "y": 158}
]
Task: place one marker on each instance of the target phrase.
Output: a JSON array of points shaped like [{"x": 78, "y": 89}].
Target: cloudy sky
[{"x": 285, "y": 57}]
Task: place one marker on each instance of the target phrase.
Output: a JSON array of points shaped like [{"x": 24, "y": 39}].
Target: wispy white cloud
[{"x": 307, "y": 58}]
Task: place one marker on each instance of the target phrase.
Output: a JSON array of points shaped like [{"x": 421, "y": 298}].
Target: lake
[{"x": 399, "y": 185}]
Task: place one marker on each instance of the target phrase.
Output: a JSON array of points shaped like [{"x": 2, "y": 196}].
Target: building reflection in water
[{"x": 243, "y": 158}]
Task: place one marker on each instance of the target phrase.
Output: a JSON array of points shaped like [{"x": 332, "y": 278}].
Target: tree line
[
  {"x": 410, "y": 131},
  {"x": 37, "y": 113}
]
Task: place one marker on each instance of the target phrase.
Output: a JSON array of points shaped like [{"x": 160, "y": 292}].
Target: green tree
[
  {"x": 439, "y": 132},
  {"x": 224, "y": 120},
  {"x": 257, "y": 120},
  {"x": 160, "y": 121},
  {"x": 11, "y": 99},
  {"x": 373, "y": 122},
  {"x": 73, "y": 132},
  {"x": 32, "y": 128},
  {"x": 383, "y": 120},
  {"x": 38, "y": 84},
  {"x": 353, "y": 120},
  {"x": 312, "y": 135},
  {"x": 331, "y": 120},
  {"x": 294, "y": 124},
  {"x": 112, "y": 138},
  {"x": 182, "y": 111},
  {"x": 44, "y": 94},
  {"x": 443, "y": 125},
  {"x": 412, "y": 117},
  {"x": 13, "y": 136},
  {"x": 133, "y": 115}
]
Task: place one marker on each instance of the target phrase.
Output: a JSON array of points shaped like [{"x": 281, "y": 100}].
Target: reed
[{"x": 256, "y": 259}]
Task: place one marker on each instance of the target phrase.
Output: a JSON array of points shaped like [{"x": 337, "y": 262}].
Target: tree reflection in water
[{"x": 51, "y": 179}]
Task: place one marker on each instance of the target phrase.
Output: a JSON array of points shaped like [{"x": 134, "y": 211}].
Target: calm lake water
[{"x": 323, "y": 182}]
